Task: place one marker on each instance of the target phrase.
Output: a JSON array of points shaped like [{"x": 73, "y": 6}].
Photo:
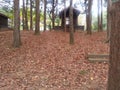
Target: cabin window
[{"x": 67, "y": 21}]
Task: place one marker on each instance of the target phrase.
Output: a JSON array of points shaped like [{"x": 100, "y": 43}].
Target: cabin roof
[
  {"x": 76, "y": 12},
  {"x": 3, "y": 15}
]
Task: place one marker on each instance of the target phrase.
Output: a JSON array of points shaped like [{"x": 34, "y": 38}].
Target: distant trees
[
  {"x": 25, "y": 15},
  {"x": 16, "y": 32},
  {"x": 54, "y": 8},
  {"x": 32, "y": 15},
  {"x": 100, "y": 15}
]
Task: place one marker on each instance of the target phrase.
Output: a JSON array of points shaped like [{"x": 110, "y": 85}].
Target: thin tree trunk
[
  {"x": 71, "y": 23},
  {"x": 23, "y": 15},
  {"x": 65, "y": 16},
  {"x": 26, "y": 15},
  {"x": 37, "y": 21},
  {"x": 109, "y": 4},
  {"x": 16, "y": 32},
  {"x": 53, "y": 15},
  {"x": 89, "y": 17},
  {"x": 114, "y": 65},
  {"x": 44, "y": 15},
  {"x": 86, "y": 9},
  {"x": 99, "y": 15},
  {"x": 31, "y": 15},
  {"x": 56, "y": 7}
]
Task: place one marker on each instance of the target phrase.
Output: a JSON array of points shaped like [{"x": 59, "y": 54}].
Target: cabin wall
[
  {"x": 75, "y": 21},
  {"x": 3, "y": 21}
]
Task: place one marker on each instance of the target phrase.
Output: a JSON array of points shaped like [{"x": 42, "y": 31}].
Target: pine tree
[
  {"x": 71, "y": 23},
  {"x": 37, "y": 21},
  {"x": 16, "y": 32}
]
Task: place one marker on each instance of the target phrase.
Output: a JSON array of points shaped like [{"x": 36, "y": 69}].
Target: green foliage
[
  {"x": 95, "y": 25},
  {"x": 105, "y": 20},
  {"x": 114, "y": 0},
  {"x": 6, "y": 5},
  {"x": 95, "y": 21},
  {"x": 57, "y": 21}
]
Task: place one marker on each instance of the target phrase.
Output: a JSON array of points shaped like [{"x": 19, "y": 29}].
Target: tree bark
[
  {"x": 109, "y": 3},
  {"x": 45, "y": 15},
  {"x": 65, "y": 16},
  {"x": 16, "y": 32},
  {"x": 114, "y": 66},
  {"x": 89, "y": 17},
  {"x": 71, "y": 23},
  {"x": 99, "y": 15},
  {"x": 37, "y": 21},
  {"x": 31, "y": 15},
  {"x": 23, "y": 15},
  {"x": 53, "y": 15},
  {"x": 26, "y": 15}
]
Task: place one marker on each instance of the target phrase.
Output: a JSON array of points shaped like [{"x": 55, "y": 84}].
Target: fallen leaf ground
[{"x": 48, "y": 62}]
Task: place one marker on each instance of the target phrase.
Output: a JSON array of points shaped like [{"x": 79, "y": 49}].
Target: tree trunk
[
  {"x": 114, "y": 66},
  {"x": 65, "y": 16},
  {"x": 23, "y": 15},
  {"x": 109, "y": 3},
  {"x": 31, "y": 15},
  {"x": 71, "y": 23},
  {"x": 53, "y": 15},
  {"x": 37, "y": 21},
  {"x": 16, "y": 32},
  {"x": 26, "y": 15},
  {"x": 99, "y": 15},
  {"x": 89, "y": 17},
  {"x": 56, "y": 7},
  {"x": 44, "y": 15}
]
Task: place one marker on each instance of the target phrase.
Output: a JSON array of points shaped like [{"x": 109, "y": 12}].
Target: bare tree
[
  {"x": 99, "y": 15},
  {"x": 89, "y": 16},
  {"x": 37, "y": 21},
  {"x": 26, "y": 15},
  {"x": 65, "y": 15},
  {"x": 114, "y": 65},
  {"x": 53, "y": 14},
  {"x": 45, "y": 15},
  {"x": 31, "y": 14},
  {"x": 16, "y": 32},
  {"x": 71, "y": 23},
  {"x": 23, "y": 15}
]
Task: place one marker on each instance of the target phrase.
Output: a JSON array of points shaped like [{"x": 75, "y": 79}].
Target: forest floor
[{"x": 48, "y": 62}]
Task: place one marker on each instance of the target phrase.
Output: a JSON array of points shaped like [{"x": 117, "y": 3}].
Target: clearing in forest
[{"x": 48, "y": 62}]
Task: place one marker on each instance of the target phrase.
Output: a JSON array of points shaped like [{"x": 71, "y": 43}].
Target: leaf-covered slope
[{"x": 49, "y": 62}]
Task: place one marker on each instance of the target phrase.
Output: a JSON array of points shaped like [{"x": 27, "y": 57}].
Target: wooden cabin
[
  {"x": 3, "y": 21},
  {"x": 75, "y": 18}
]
